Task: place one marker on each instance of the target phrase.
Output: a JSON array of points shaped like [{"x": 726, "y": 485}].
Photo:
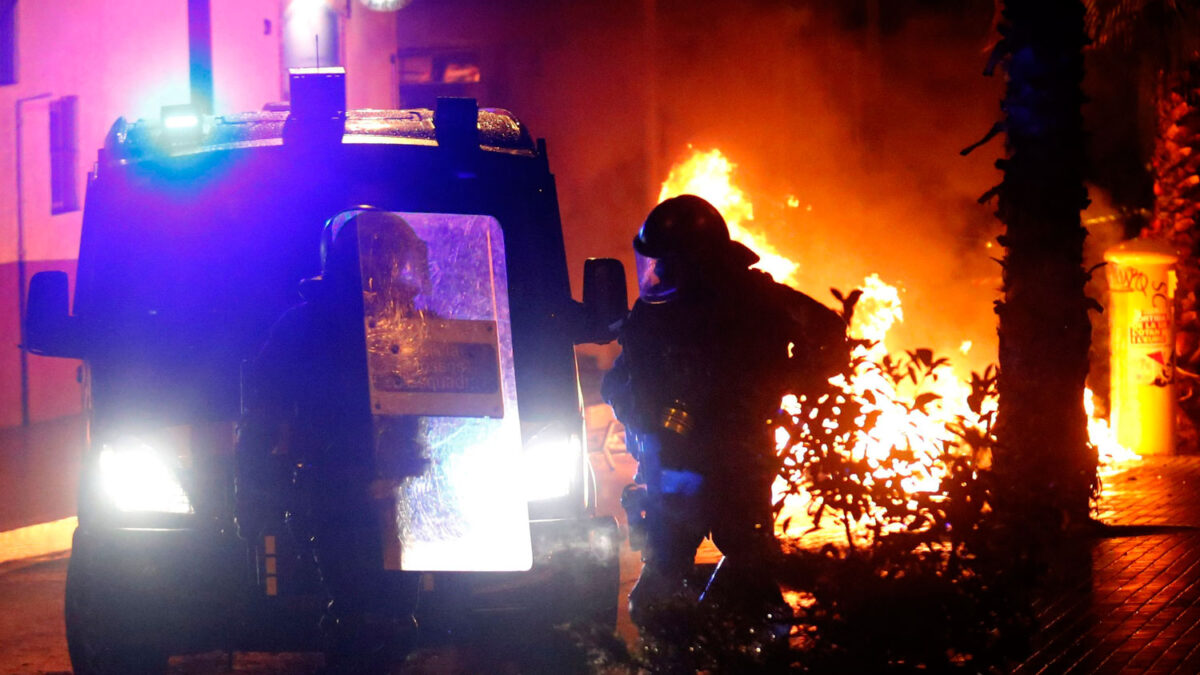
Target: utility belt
[
  {"x": 676, "y": 438},
  {"x": 676, "y": 419},
  {"x": 721, "y": 431},
  {"x": 671, "y": 455},
  {"x": 673, "y": 420},
  {"x": 671, "y": 428}
]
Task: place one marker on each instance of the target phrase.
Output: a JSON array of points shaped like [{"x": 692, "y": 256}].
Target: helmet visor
[{"x": 658, "y": 279}]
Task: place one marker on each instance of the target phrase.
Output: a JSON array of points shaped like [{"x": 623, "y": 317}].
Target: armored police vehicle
[{"x": 196, "y": 233}]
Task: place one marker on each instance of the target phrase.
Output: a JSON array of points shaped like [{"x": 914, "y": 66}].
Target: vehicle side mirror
[
  {"x": 50, "y": 330},
  {"x": 605, "y": 298}
]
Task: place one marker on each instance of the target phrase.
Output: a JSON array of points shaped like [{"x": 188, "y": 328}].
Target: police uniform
[
  {"x": 703, "y": 367},
  {"x": 307, "y": 445}
]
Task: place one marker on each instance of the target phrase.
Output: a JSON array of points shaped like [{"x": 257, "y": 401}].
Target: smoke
[{"x": 846, "y": 128}]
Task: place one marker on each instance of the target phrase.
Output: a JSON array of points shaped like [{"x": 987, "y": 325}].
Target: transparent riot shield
[{"x": 443, "y": 392}]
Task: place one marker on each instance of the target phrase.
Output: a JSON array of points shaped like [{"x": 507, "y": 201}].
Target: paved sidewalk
[
  {"x": 39, "y": 471},
  {"x": 1139, "y": 609}
]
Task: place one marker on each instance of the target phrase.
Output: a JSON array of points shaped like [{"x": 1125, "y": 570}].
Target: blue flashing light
[
  {"x": 181, "y": 121},
  {"x": 181, "y": 125}
]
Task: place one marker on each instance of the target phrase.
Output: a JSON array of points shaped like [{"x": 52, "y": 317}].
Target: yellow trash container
[{"x": 1142, "y": 290}]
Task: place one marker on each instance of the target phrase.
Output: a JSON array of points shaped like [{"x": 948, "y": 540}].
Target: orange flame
[
  {"x": 1103, "y": 437},
  {"x": 877, "y": 310},
  {"x": 708, "y": 175}
]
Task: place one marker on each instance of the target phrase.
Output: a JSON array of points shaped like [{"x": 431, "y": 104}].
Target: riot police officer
[
  {"x": 708, "y": 351},
  {"x": 308, "y": 442}
]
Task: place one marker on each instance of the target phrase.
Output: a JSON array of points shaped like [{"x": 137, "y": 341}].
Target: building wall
[
  {"x": 61, "y": 55},
  {"x": 129, "y": 62},
  {"x": 118, "y": 63},
  {"x": 246, "y": 68},
  {"x": 579, "y": 74},
  {"x": 369, "y": 53},
  {"x": 120, "y": 59}
]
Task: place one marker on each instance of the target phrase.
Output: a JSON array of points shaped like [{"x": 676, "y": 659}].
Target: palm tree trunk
[
  {"x": 1175, "y": 164},
  {"x": 1045, "y": 468}
]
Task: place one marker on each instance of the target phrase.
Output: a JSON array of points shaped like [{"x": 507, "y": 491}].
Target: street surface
[
  {"x": 1134, "y": 606},
  {"x": 33, "y": 639}
]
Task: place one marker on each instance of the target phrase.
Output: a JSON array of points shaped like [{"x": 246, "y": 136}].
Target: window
[
  {"x": 64, "y": 154},
  {"x": 449, "y": 68},
  {"x": 8, "y": 42},
  {"x": 426, "y": 74}
]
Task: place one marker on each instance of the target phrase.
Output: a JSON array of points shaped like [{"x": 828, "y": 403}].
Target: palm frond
[{"x": 1168, "y": 31}]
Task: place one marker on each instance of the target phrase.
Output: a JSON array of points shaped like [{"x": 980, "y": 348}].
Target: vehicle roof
[{"x": 499, "y": 131}]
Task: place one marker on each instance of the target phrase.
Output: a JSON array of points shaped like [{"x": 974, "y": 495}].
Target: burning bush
[
  {"x": 918, "y": 574},
  {"x": 918, "y": 579},
  {"x": 882, "y": 464},
  {"x": 908, "y": 486}
]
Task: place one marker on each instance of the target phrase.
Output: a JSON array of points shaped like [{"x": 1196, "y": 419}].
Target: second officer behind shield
[
  {"x": 707, "y": 352},
  {"x": 308, "y": 441}
]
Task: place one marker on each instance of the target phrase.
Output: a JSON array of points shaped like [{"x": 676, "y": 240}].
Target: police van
[{"x": 196, "y": 234}]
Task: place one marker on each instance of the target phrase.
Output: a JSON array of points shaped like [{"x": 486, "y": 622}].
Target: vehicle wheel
[{"x": 95, "y": 620}]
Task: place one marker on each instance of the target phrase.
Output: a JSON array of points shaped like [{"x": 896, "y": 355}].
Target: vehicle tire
[{"x": 96, "y": 641}]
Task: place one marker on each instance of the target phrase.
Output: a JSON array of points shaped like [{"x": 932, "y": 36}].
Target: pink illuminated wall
[
  {"x": 129, "y": 59},
  {"x": 118, "y": 63}
]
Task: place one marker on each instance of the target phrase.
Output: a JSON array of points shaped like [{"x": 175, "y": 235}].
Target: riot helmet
[
  {"x": 339, "y": 248},
  {"x": 378, "y": 253},
  {"x": 682, "y": 240}
]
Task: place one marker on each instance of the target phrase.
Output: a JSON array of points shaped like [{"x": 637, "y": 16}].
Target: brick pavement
[{"x": 1136, "y": 607}]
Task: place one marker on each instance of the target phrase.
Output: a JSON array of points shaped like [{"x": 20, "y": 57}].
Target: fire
[
  {"x": 899, "y": 423},
  {"x": 1103, "y": 437},
  {"x": 877, "y": 310},
  {"x": 708, "y": 175}
]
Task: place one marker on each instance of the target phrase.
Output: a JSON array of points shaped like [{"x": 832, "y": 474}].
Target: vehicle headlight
[
  {"x": 135, "y": 477},
  {"x": 551, "y": 462}
]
